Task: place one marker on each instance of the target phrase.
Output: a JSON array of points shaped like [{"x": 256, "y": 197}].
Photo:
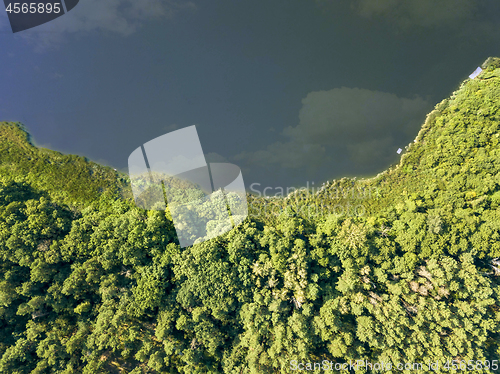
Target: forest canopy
[{"x": 90, "y": 283}]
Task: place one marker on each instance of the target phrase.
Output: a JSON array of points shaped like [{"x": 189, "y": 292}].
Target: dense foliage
[{"x": 407, "y": 271}]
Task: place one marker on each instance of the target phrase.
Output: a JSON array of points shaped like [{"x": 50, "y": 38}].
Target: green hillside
[
  {"x": 71, "y": 179},
  {"x": 400, "y": 269}
]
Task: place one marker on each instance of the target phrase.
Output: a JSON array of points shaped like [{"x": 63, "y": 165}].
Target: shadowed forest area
[{"x": 403, "y": 267}]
